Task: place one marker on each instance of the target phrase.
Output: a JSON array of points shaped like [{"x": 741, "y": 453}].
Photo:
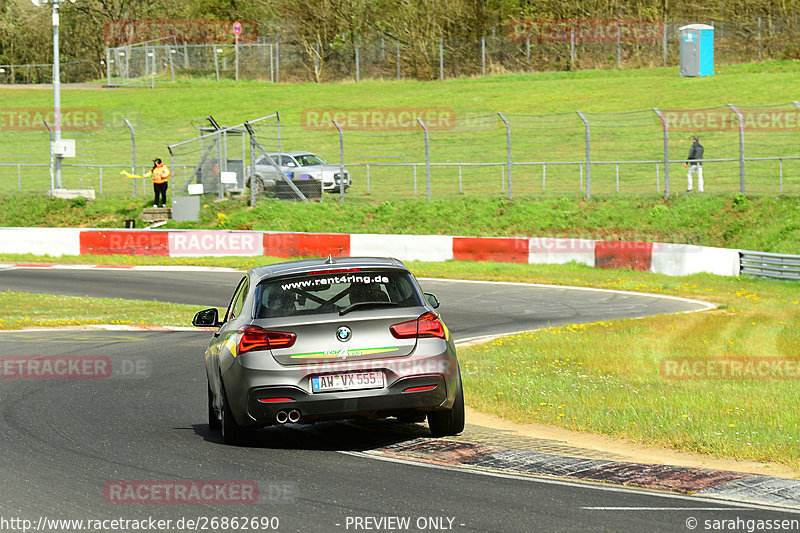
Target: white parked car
[{"x": 298, "y": 166}]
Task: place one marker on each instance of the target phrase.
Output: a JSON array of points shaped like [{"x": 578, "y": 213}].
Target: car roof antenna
[{"x": 329, "y": 260}]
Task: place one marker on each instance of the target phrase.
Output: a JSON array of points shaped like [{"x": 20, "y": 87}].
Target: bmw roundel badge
[{"x": 344, "y": 333}]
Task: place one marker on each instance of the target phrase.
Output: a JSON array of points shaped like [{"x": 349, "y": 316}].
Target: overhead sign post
[{"x": 237, "y": 31}]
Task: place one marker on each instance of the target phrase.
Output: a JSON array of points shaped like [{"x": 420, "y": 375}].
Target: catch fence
[{"x": 751, "y": 149}]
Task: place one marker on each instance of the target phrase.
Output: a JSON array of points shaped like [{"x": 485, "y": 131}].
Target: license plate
[{"x": 354, "y": 381}]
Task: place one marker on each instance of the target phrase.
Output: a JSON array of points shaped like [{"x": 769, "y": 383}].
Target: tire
[
  {"x": 257, "y": 185},
  {"x": 232, "y": 433},
  {"x": 450, "y": 421},
  {"x": 214, "y": 423}
]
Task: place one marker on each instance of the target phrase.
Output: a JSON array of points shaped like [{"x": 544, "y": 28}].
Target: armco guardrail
[{"x": 781, "y": 266}]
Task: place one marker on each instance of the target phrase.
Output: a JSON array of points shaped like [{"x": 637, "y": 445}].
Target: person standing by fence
[
  {"x": 695, "y": 162},
  {"x": 160, "y": 174}
]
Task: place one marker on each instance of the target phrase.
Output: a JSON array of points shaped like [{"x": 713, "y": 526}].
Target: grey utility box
[
  {"x": 185, "y": 208},
  {"x": 697, "y": 50}
]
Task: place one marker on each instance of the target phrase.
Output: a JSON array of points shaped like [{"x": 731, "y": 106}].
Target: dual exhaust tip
[{"x": 292, "y": 416}]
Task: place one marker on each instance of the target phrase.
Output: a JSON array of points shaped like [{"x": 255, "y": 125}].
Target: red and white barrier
[{"x": 672, "y": 259}]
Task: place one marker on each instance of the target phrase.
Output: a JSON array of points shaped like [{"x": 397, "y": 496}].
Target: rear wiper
[{"x": 356, "y": 305}]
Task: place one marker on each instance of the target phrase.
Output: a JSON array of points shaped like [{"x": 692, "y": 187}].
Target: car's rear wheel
[
  {"x": 232, "y": 433},
  {"x": 450, "y": 421},
  {"x": 213, "y": 422}
]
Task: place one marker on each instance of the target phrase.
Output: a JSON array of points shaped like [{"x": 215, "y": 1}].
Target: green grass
[
  {"x": 608, "y": 377},
  {"x": 24, "y": 310},
  {"x": 163, "y": 116},
  {"x": 759, "y": 222}
]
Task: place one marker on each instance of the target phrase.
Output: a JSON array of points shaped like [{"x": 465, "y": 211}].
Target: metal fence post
[
  {"x": 358, "y": 65},
  {"x": 108, "y": 66},
  {"x": 101, "y": 180},
  {"x": 528, "y": 51},
  {"x": 277, "y": 61},
  {"x": 617, "y": 177},
  {"x": 619, "y": 49},
  {"x": 664, "y": 41},
  {"x": 759, "y": 38},
  {"x": 441, "y": 60},
  {"x": 588, "y": 158},
  {"x": 483, "y": 55},
  {"x": 251, "y": 134},
  {"x": 508, "y": 153},
  {"x": 133, "y": 153},
  {"x": 171, "y": 51},
  {"x": 367, "y": 178},
  {"x": 460, "y": 185},
  {"x": 216, "y": 61},
  {"x": 740, "y": 117},
  {"x": 572, "y": 49},
  {"x": 665, "y": 128},
  {"x": 427, "y": 159},
  {"x": 398, "y": 59},
  {"x": 341, "y": 160}
]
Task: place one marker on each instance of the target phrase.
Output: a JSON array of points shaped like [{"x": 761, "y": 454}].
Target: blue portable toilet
[{"x": 697, "y": 50}]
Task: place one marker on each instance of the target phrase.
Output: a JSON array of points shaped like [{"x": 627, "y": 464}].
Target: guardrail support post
[
  {"x": 588, "y": 155},
  {"x": 427, "y": 159},
  {"x": 740, "y": 117}
]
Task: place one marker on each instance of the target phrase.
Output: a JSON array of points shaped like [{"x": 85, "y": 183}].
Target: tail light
[
  {"x": 257, "y": 338},
  {"x": 427, "y": 325}
]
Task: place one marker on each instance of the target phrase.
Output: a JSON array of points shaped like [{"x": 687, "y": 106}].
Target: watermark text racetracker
[
  {"x": 730, "y": 368},
  {"x": 395, "y": 118},
  {"x": 190, "y": 492},
  {"x": 73, "y": 367},
  {"x": 725, "y": 119},
  {"x": 586, "y": 30},
  {"x": 34, "y": 118}
]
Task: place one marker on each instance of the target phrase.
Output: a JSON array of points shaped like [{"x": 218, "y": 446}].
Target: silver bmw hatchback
[{"x": 334, "y": 339}]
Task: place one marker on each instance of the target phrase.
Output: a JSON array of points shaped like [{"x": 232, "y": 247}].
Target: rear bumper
[
  {"x": 393, "y": 400},
  {"x": 258, "y": 376}
]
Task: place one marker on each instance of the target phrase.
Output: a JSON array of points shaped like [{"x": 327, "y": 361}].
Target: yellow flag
[{"x": 128, "y": 174}]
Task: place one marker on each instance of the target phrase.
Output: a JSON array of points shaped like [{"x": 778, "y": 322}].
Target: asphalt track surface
[{"x": 64, "y": 442}]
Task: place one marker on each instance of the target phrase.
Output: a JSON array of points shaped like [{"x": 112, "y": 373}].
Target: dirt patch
[{"x": 621, "y": 449}]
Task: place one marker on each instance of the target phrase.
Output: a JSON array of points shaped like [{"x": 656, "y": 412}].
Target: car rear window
[{"x": 334, "y": 292}]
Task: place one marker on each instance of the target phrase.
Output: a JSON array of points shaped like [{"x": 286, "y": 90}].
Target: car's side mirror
[
  {"x": 207, "y": 318},
  {"x": 432, "y": 300}
]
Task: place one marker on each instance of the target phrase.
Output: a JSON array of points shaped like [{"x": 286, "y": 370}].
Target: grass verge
[
  {"x": 25, "y": 310},
  {"x": 607, "y": 377}
]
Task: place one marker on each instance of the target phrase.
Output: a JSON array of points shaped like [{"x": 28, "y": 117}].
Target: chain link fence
[
  {"x": 750, "y": 149},
  {"x": 525, "y": 47}
]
